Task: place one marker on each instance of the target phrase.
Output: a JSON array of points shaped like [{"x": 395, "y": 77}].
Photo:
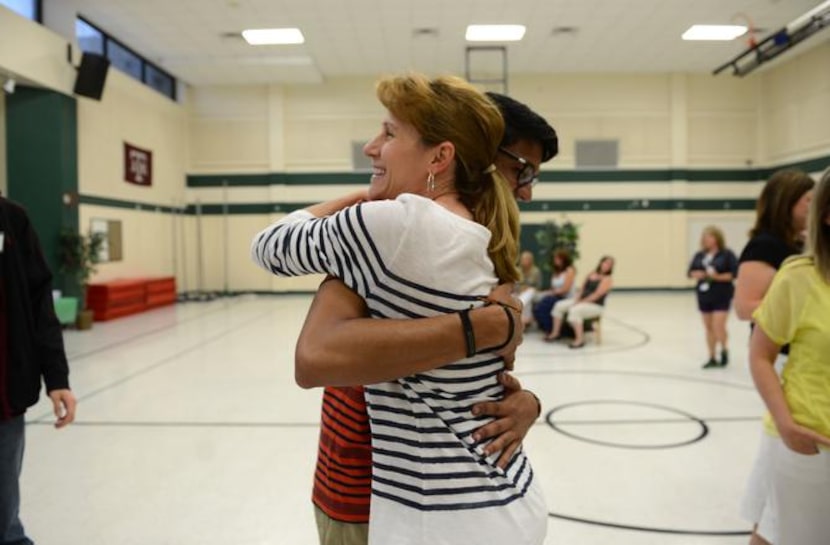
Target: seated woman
[
  {"x": 562, "y": 286},
  {"x": 528, "y": 285},
  {"x": 588, "y": 305}
]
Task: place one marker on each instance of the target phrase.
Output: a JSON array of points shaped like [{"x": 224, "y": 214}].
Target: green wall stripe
[
  {"x": 131, "y": 205},
  {"x": 809, "y": 165},
  {"x": 748, "y": 175},
  {"x": 593, "y": 205}
]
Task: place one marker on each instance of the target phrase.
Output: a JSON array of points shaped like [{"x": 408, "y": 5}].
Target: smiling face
[{"x": 400, "y": 160}]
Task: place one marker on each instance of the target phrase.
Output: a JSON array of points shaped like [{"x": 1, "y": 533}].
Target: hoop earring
[{"x": 431, "y": 182}]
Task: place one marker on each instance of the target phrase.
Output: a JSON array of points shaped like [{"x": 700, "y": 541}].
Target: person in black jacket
[
  {"x": 714, "y": 267},
  {"x": 31, "y": 349}
]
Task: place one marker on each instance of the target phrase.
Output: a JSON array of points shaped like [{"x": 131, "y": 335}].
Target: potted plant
[
  {"x": 552, "y": 237},
  {"x": 78, "y": 254}
]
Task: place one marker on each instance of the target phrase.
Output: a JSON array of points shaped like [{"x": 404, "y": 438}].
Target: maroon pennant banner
[{"x": 138, "y": 165}]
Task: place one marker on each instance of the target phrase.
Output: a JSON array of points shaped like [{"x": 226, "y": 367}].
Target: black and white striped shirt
[{"x": 411, "y": 258}]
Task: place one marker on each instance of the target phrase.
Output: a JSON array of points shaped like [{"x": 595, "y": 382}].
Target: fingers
[
  {"x": 819, "y": 438},
  {"x": 509, "y": 360},
  {"x": 511, "y": 384},
  {"x": 57, "y": 407},
  {"x": 489, "y": 408},
  {"x": 63, "y": 404},
  {"x": 502, "y": 292},
  {"x": 500, "y": 443},
  {"x": 507, "y": 454}
]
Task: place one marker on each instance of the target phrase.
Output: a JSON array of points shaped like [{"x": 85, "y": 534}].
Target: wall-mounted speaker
[{"x": 91, "y": 75}]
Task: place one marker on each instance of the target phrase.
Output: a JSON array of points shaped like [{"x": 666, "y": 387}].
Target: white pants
[
  {"x": 577, "y": 312},
  {"x": 788, "y": 494},
  {"x": 527, "y": 297}
]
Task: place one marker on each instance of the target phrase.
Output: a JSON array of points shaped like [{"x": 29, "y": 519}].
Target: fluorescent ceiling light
[
  {"x": 714, "y": 32},
  {"x": 273, "y": 36},
  {"x": 495, "y": 33}
]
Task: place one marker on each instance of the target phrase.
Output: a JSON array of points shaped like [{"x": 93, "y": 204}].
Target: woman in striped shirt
[{"x": 446, "y": 240}]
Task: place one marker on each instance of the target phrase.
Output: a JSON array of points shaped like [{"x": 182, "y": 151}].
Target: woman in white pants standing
[
  {"x": 796, "y": 311},
  {"x": 588, "y": 305}
]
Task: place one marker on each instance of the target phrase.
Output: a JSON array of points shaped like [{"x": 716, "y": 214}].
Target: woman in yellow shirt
[{"x": 796, "y": 310}]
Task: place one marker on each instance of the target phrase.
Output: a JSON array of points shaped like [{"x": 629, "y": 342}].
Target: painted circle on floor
[{"x": 576, "y": 420}]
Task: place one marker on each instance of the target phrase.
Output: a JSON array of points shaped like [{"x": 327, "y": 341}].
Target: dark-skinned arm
[{"x": 338, "y": 345}]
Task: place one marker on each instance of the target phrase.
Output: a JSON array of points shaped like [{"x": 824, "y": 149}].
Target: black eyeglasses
[{"x": 527, "y": 175}]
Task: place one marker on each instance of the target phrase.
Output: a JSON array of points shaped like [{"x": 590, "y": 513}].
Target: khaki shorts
[{"x": 334, "y": 532}]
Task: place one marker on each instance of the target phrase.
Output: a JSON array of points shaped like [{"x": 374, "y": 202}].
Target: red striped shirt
[{"x": 343, "y": 478}]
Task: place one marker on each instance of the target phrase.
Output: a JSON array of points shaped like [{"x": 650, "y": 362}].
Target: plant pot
[{"x": 85, "y": 319}]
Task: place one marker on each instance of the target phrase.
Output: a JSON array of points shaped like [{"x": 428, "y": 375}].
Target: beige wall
[
  {"x": 132, "y": 112},
  {"x": 34, "y": 53},
  {"x": 795, "y": 107},
  {"x": 660, "y": 120},
  {"x": 663, "y": 120}
]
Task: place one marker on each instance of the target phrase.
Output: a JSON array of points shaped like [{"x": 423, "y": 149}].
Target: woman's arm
[
  {"x": 754, "y": 279},
  {"x": 696, "y": 269},
  {"x": 570, "y": 275},
  {"x": 762, "y": 354},
  {"x": 604, "y": 287},
  {"x": 578, "y": 295},
  {"x": 303, "y": 243},
  {"x": 722, "y": 277},
  {"x": 340, "y": 346}
]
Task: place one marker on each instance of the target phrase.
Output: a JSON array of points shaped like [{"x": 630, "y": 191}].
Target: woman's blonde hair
[
  {"x": 819, "y": 231},
  {"x": 448, "y": 109},
  {"x": 717, "y": 234}
]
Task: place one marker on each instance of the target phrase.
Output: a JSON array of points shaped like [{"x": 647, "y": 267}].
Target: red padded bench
[{"x": 123, "y": 297}]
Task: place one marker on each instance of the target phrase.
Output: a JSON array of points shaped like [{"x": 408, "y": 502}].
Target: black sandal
[{"x": 576, "y": 345}]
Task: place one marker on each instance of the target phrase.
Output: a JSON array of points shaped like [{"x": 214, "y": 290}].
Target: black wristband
[
  {"x": 469, "y": 334},
  {"x": 511, "y": 328}
]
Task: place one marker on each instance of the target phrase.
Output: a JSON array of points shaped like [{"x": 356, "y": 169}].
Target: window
[
  {"x": 161, "y": 81},
  {"x": 124, "y": 59},
  {"x": 94, "y": 40},
  {"x": 29, "y": 9},
  {"x": 90, "y": 38}
]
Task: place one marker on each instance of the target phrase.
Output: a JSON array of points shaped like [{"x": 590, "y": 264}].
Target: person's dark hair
[
  {"x": 522, "y": 123},
  {"x": 774, "y": 211},
  {"x": 599, "y": 265},
  {"x": 564, "y": 257}
]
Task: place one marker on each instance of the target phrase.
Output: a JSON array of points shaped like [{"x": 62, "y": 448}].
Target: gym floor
[{"x": 191, "y": 431}]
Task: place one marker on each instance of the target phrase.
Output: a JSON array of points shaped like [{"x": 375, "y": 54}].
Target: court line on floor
[
  {"x": 710, "y": 533},
  {"x": 196, "y": 424},
  {"x": 180, "y": 424},
  {"x": 649, "y": 374},
  {"x": 164, "y": 361}
]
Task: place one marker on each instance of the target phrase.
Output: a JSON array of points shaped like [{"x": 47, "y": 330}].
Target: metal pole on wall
[
  {"x": 225, "y": 237},
  {"x": 182, "y": 216},
  {"x": 200, "y": 276},
  {"x": 174, "y": 245}
]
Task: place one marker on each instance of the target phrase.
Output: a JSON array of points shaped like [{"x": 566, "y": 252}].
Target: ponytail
[{"x": 496, "y": 209}]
